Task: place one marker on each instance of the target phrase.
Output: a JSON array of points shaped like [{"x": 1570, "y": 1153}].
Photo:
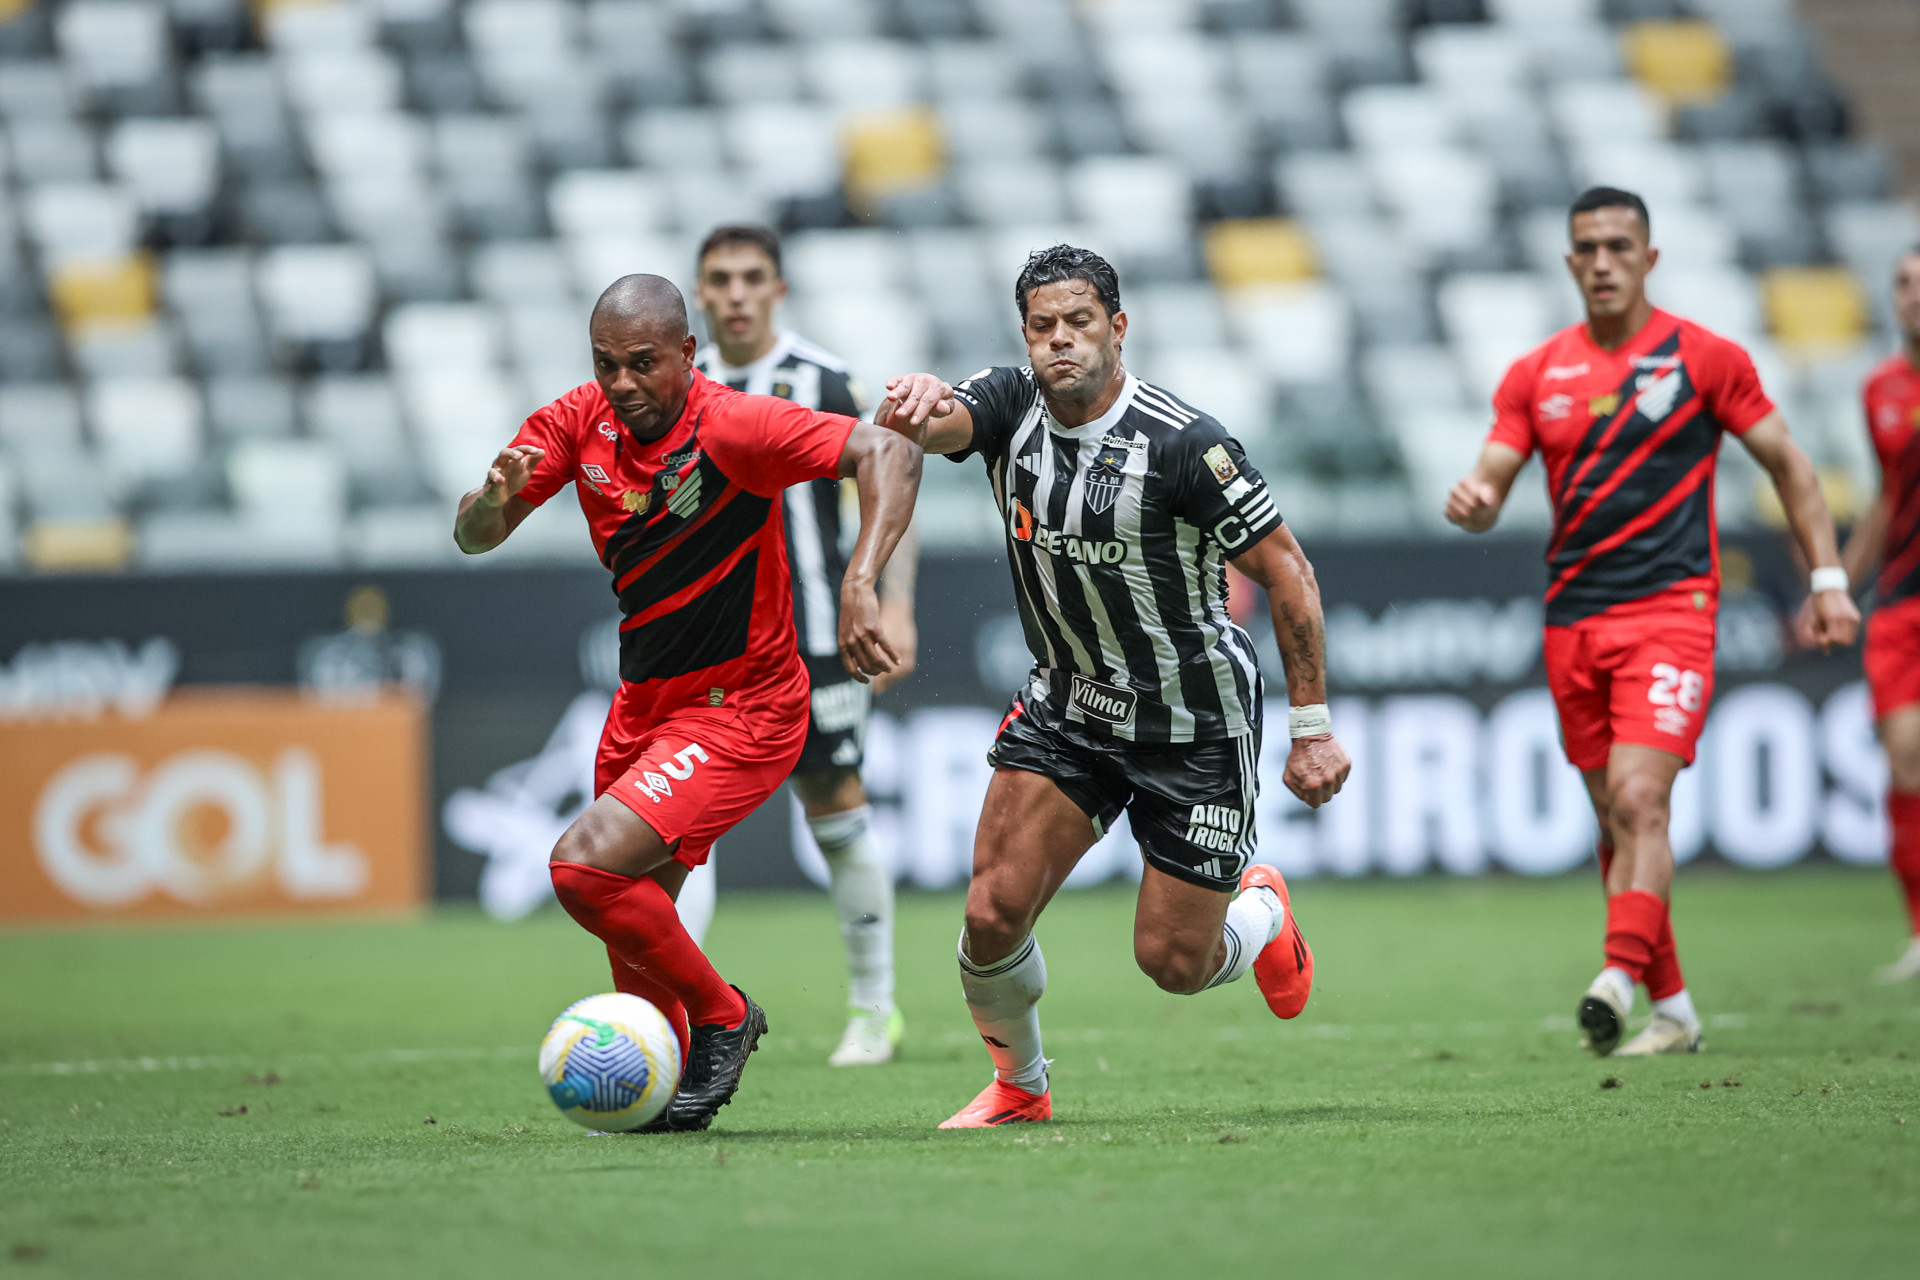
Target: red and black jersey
[
  {"x": 1892, "y": 393},
  {"x": 1629, "y": 438},
  {"x": 690, "y": 526}
]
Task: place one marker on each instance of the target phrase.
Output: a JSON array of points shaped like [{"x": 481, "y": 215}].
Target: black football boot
[{"x": 715, "y": 1060}]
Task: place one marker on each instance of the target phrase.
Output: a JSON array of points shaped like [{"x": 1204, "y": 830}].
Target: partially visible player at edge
[
  {"x": 1889, "y": 536},
  {"x": 739, "y": 285},
  {"x": 680, "y": 479},
  {"x": 1627, "y": 410},
  {"x": 1123, "y": 506}
]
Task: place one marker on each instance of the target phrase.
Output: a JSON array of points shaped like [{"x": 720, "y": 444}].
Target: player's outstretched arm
[
  {"x": 1835, "y": 619},
  {"x": 886, "y": 467},
  {"x": 1317, "y": 766},
  {"x": 896, "y": 609},
  {"x": 1474, "y": 502},
  {"x": 923, "y": 409},
  {"x": 491, "y": 512}
]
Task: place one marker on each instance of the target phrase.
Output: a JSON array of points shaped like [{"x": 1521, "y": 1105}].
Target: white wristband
[
  {"x": 1830, "y": 578},
  {"x": 1309, "y": 721}
]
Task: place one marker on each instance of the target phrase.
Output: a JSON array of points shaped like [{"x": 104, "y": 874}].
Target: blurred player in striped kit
[
  {"x": 739, "y": 287},
  {"x": 1889, "y": 536}
]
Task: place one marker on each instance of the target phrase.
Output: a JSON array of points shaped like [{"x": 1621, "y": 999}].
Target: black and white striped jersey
[
  {"x": 797, "y": 370},
  {"x": 1118, "y": 534}
]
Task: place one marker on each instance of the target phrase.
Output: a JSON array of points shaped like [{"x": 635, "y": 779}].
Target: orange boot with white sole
[
  {"x": 1284, "y": 968},
  {"x": 1002, "y": 1103}
]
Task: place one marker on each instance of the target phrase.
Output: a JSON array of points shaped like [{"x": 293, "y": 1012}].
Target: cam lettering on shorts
[{"x": 1118, "y": 532}]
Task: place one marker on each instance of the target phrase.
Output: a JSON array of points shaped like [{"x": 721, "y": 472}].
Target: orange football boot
[
  {"x": 1284, "y": 968},
  {"x": 1001, "y": 1103}
]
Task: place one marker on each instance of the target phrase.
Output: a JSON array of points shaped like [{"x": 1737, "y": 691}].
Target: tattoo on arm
[{"x": 1303, "y": 642}]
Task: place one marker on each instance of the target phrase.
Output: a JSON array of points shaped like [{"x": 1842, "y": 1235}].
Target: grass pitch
[{"x": 360, "y": 1100}]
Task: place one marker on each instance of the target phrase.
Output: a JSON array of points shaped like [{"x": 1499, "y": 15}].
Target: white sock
[
  {"x": 1002, "y": 997},
  {"x": 1255, "y": 919},
  {"x": 862, "y": 891},
  {"x": 1679, "y": 1007},
  {"x": 1622, "y": 985}
]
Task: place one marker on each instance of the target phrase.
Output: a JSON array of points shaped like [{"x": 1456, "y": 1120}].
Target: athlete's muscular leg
[
  {"x": 831, "y": 792},
  {"x": 611, "y": 837},
  {"x": 1178, "y": 932},
  {"x": 1631, "y": 798},
  {"x": 1030, "y": 836},
  {"x": 1900, "y": 734}
]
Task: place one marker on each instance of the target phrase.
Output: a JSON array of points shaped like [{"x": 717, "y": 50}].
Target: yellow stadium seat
[
  {"x": 1244, "y": 252},
  {"x": 1683, "y": 61},
  {"x": 1814, "y": 307},
  {"x": 891, "y": 153},
  {"x": 91, "y": 292},
  {"x": 11, "y": 9},
  {"x": 73, "y": 546}
]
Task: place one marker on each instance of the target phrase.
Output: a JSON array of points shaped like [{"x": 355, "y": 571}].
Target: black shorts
[
  {"x": 837, "y": 720},
  {"x": 1191, "y": 803}
]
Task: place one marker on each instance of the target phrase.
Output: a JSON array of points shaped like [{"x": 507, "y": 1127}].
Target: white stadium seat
[
  {"x": 1297, "y": 334},
  {"x": 1004, "y": 192},
  {"x": 317, "y": 293},
  {"x": 675, "y": 138},
  {"x": 785, "y": 150},
  {"x": 113, "y": 43},
  {"x": 288, "y": 484},
  {"x": 1604, "y": 113},
  {"x": 80, "y": 220},
  {"x": 148, "y": 428},
  {"x": 853, "y": 261},
  {"x": 440, "y": 336},
  {"x": 605, "y": 202},
  {"x": 862, "y": 74},
  {"x": 166, "y": 166},
  {"x": 324, "y": 79},
  {"x": 1397, "y": 117}
]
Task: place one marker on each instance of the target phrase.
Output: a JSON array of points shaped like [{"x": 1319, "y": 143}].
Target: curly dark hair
[{"x": 1064, "y": 262}]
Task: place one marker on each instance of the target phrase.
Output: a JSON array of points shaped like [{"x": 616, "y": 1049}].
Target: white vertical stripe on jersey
[
  {"x": 1199, "y": 564},
  {"x": 1127, "y": 510},
  {"x": 1112, "y": 656},
  {"x": 810, "y": 570},
  {"x": 1042, "y": 562}
]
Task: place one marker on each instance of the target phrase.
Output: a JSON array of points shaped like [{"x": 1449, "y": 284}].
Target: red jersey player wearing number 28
[
  {"x": 680, "y": 479},
  {"x": 1889, "y": 535},
  {"x": 1627, "y": 411}
]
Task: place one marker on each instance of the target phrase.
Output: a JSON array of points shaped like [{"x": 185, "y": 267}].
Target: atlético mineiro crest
[{"x": 1104, "y": 478}]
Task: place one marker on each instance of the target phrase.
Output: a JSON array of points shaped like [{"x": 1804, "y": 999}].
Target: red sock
[
  {"x": 1663, "y": 971},
  {"x": 1634, "y": 922},
  {"x": 1903, "y": 807},
  {"x": 1606, "y": 862},
  {"x": 634, "y": 982},
  {"x": 637, "y": 921}
]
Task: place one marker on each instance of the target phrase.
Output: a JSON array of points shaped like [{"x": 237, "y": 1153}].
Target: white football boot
[
  {"x": 1906, "y": 968},
  {"x": 870, "y": 1038},
  {"x": 1661, "y": 1035},
  {"x": 1602, "y": 1013}
]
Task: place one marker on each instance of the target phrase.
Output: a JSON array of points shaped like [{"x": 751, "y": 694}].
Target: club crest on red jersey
[{"x": 635, "y": 501}]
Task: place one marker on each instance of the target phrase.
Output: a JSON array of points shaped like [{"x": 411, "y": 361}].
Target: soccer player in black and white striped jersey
[
  {"x": 1123, "y": 506},
  {"x": 739, "y": 286}
]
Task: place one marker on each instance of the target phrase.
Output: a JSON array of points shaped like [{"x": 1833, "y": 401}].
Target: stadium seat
[
  {"x": 1136, "y": 203},
  {"x": 1258, "y": 251},
  {"x": 1405, "y": 379},
  {"x": 1724, "y": 299},
  {"x": 1207, "y": 135},
  {"x": 317, "y": 293},
  {"x": 36, "y": 89},
  {"x": 880, "y": 333},
  {"x": 1321, "y": 185},
  {"x": 674, "y": 138},
  {"x": 1682, "y": 61},
  {"x": 210, "y": 291},
  {"x": 527, "y": 271},
  {"x": 459, "y": 419},
  {"x": 380, "y": 145},
  {"x": 1452, "y": 57},
  {"x": 132, "y": 349},
  {"x": 1162, "y": 63},
  {"x": 113, "y": 44},
  {"x": 1445, "y": 197},
  {"x": 288, "y": 484},
  {"x": 433, "y": 337},
  {"x": 1169, "y": 317},
  {"x": 322, "y": 80},
  {"x": 1011, "y": 192},
  {"x": 242, "y": 406},
  {"x": 594, "y": 262},
  {"x": 38, "y": 415},
  {"x": 149, "y": 429},
  {"x": 400, "y": 536},
  {"x": 325, "y": 28},
  {"x": 80, "y": 220},
  {"x": 1491, "y": 319},
  {"x": 242, "y": 93},
  {"x": 360, "y": 415},
  {"x": 786, "y": 151},
  {"x": 823, "y": 19},
  {"x": 856, "y": 261},
  {"x": 702, "y": 199},
  {"x": 55, "y": 149},
  {"x": 1282, "y": 78},
  {"x": 550, "y": 352},
  {"x": 1225, "y": 385},
  {"x": 1590, "y": 113},
  {"x": 187, "y": 541},
  {"x": 1297, "y": 334},
  {"x": 1661, "y": 173},
  {"x": 1815, "y": 309},
  {"x": 1384, "y": 117},
  {"x": 890, "y": 153},
  {"x": 735, "y": 74},
  {"x": 985, "y": 129},
  {"x": 973, "y": 71},
  {"x": 89, "y": 293},
  {"x": 871, "y": 74},
  {"x": 1543, "y": 13},
  {"x": 1690, "y": 237},
  {"x": 588, "y": 203},
  {"x": 165, "y": 166}
]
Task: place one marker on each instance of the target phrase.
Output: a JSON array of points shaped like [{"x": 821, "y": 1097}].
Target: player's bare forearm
[
  {"x": 1865, "y": 543},
  {"x": 1831, "y": 618},
  {"x": 886, "y": 468},
  {"x": 1278, "y": 564},
  {"x": 922, "y": 408},
  {"x": 494, "y": 510},
  {"x": 903, "y": 572},
  {"x": 1475, "y": 502}
]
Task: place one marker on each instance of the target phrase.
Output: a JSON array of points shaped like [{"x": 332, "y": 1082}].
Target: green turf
[{"x": 1428, "y": 1115}]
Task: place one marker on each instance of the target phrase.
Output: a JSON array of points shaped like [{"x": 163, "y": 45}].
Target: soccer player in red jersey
[
  {"x": 680, "y": 479},
  {"x": 1627, "y": 411},
  {"x": 1889, "y": 535}
]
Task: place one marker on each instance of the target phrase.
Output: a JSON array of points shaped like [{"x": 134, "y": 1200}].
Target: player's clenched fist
[
  {"x": 1473, "y": 504},
  {"x": 1828, "y": 620},
  {"x": 1317, "y": 768},
  {"x": 512, "y": 467},
  {"x": 865, "y": 650}
]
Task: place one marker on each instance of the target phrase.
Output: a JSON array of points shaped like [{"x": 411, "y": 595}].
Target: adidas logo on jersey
[{"x": 1214, "y": 826}]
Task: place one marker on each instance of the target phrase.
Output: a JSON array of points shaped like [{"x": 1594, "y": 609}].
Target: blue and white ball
[{"x": 610, "y": 1062}]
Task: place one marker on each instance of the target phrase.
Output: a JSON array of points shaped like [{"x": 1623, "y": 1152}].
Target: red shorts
[
  {"x": 693, "y": 774},
  {"x": 1893, "y": 657},
  {"x": 1644, "y": 679}
]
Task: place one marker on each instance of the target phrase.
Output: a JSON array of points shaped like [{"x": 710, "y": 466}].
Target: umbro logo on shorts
[{"x": 653, "y": 785}]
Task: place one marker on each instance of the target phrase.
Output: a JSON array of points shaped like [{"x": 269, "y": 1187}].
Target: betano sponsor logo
[{"x": 1025, "y": 528}]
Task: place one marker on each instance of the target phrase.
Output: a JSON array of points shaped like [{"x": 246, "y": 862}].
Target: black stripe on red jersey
[
  {"x": 1609, "y": 439},
  {"x": 705, "y": 548},
  {"x": 649, "y": 531},
  {"x": 1671, "y": 547},
  {"x": 1900, "y": 558},
  {"x": 710, "y": 630}
]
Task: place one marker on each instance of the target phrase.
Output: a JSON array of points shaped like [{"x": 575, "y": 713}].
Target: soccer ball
[{"x": 610, "y": 1062}]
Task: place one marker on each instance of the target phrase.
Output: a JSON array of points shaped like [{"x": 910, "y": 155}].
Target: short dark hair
[
  {"x": 1610, "y": 198},
  {"x": 1064, "y": 262},
  {"x": 765, "y": 239}
]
